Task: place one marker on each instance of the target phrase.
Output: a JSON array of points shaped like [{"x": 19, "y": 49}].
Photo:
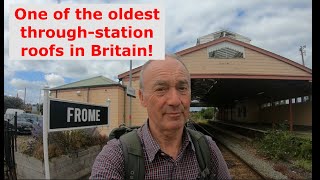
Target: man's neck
[{"x": 170, "y": 142}]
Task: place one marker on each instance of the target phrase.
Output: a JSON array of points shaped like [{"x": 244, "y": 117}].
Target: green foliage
[
  {"x": 63, "y": 142},
  {"x": 72, "y": 140},
  {"x": 284, "y": 145},
  {"x": 206, "y": 113},
  {"x": 275, "y": 144},
  {"x": 12, "y": 102},
  {"x": 196, "y": 116},
  {"x": 305, "y": 164},
  {"x": 282, "y": 126},
  {"x": 304, "y": 150}
]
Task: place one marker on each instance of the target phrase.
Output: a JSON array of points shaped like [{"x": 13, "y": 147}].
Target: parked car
[
  {"x": 25, "y": 122},
  {"x": 32, "y": 118},
  {"x": 24, "y": 126}
]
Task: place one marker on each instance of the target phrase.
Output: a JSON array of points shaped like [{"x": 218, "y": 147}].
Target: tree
[
  {"x": 207, "y": 113},
  {"x": 12, "y": 102},
  {"x": 204, "y": 113}
]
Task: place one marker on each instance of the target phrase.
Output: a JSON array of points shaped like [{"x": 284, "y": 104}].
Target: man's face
[{"x": 166, "y": 94}]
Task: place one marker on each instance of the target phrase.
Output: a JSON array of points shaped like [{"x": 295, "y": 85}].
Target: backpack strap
[
  {"x": 133, "y": 155},
  {"x": 134, "y": 159},
  {"x": 203, "y": 153}
]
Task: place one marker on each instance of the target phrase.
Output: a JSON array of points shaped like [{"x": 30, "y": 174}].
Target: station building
[{"x": 246, "y": 83}]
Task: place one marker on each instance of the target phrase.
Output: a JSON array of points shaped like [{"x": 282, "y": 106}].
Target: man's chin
[{"x": 175, "y": 123}]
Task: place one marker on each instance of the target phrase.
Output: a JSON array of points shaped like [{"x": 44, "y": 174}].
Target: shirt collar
[{"x": 152, "y": 147}]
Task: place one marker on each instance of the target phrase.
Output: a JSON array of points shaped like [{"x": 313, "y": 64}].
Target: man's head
[{"x": 165, "y": 92}]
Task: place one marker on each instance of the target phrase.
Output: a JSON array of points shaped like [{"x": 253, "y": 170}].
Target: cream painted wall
[{"x": 254, "y": 63}]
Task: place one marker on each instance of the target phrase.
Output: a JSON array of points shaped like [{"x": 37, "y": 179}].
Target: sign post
[
  {"x": 45, "y": 131},
  {"x": 60, "y": 115}
]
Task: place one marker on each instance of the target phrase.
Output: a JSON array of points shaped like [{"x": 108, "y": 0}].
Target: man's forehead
[
  {"x": 170, "y": 68},
  {"x": 165, "y": 72},
  {"x": 167, "y": 81},
  {"x": 165, "y": 64}
]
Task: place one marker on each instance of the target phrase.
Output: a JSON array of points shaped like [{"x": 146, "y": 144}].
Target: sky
[{"x": 278, "y": 26}]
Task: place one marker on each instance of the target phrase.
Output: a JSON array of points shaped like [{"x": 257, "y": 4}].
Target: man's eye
[
  {"x": 183, "y": 88},
  {"x": 160, "y": 89}
]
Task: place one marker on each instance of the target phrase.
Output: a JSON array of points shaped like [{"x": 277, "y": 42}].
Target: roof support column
[
  {"x": 231, "y": 113},
  {"x": 271, "y": 109},
  {"x": 290, "y": 115},
  {"x": 222, "y": 113},
  {"x": 226, "y": 113},
  {"x": 223, "y": 116}
]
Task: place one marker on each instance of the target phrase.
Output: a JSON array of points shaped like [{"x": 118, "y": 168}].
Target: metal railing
[{"x": 10, "y": 137}]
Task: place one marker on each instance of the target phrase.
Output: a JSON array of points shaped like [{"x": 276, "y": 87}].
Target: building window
[
  {"x": 226, "y": 50},
  {"x": 287, "y": 101},
  {"x": 299, "y": 99}
]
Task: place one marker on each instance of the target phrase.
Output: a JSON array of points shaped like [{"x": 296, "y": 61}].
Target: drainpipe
[
  {"x": 290, "y": 115},
  {"x": 130, "y": 98},
  {"x": 88, "y": 95},
  {"x": 124, "y": 106}
]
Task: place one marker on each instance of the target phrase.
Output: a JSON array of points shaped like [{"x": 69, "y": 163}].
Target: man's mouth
[{"x": 174, "y": 114}]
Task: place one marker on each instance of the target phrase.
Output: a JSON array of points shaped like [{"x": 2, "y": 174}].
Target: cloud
[
  {"x": 54, "y": 80},
  {"x": 26, "y": 90},
  {"x": 21, "y": 84},
  {"x": 8, "y": 73}
]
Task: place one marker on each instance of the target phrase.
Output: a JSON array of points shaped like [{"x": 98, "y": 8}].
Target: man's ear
[{"x": 142, "y": 100}]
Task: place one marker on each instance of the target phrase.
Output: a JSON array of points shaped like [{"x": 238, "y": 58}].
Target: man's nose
[{"x": 174, "y": 98}]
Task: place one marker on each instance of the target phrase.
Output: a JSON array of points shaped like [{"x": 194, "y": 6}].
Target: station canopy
[{"x": 226, "y": 91}]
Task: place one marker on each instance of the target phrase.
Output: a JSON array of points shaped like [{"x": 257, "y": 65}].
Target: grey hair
[{"x": 149, "y": 61}]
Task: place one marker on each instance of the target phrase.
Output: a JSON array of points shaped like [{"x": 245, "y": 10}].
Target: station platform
[{"x": 304, "y": 131}]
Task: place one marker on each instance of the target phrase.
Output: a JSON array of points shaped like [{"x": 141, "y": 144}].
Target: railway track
[{"x": 238, "y": 168}]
